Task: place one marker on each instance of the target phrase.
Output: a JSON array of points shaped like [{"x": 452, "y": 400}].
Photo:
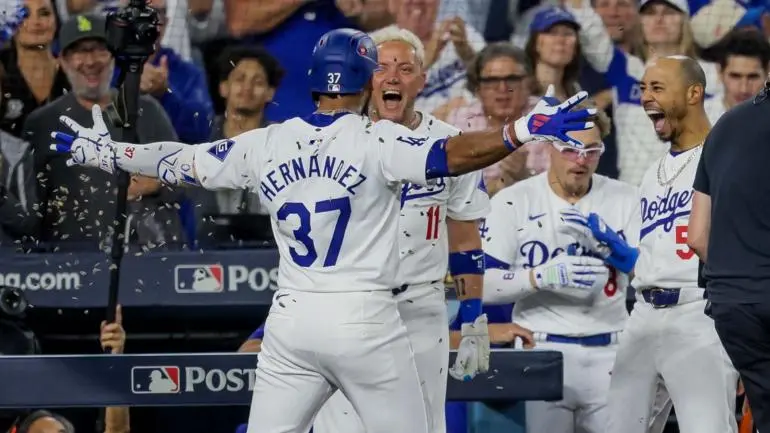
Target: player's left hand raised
[
  {"x": 473, "y": 352},
  {"x": 91, "y": 147},
  {"x": 551, "y": 120}
]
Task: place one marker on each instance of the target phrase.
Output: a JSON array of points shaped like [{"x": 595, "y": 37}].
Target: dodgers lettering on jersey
[
  {"x": 665, "y": 260},
  {"x": 423, "y": 242},
  {"x": 331, "y": 185},
  {"x": 521, "y": 232},
  {"x": 301, "y": 168}
]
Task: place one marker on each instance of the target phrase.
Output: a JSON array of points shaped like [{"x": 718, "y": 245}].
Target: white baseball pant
[
  {"x": 586, "y": 385},
  {"x": 680, "y": 345},
  {"x": 423, "y": 310},
  {"x": 316, "y": 343}
]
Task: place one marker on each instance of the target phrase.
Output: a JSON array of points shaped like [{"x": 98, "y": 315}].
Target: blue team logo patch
[
  {"x": 221, "y": 149},
  {"x": 199, "y": 278},
  {"x": 412, "y": 141},
  {"x": 164, "y": 379}
]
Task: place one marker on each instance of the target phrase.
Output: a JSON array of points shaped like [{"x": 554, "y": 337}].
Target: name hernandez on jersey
[
  {"x": 666, "y": 193},
  {"x": 521, "y": 232},
  {"x": 424, "y": 247},
  {"x": 331, "y": 185}
]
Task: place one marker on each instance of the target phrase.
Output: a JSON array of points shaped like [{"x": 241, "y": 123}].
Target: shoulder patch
[{"x": 220, "y": 149}]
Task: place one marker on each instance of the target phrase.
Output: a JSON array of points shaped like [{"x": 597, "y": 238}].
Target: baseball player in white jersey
[
  {"x": 331, "y": 182},
  {"x": 668, "y": 336},
  {"x": 573, "y": 302},
  {"x": 433, "y": 221}
]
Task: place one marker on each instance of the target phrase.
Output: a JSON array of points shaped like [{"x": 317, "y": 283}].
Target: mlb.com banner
[
  {"x": 81, "y": 280},
  {"x": 227, "y": 379}
]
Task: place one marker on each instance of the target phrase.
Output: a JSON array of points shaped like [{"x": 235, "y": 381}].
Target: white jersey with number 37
[
  {"x": 423, "y": 230},
  {"x": 521, "y": 232},
  {"x": 332, "y": 186},
  {"x": 665, "y": 260}
]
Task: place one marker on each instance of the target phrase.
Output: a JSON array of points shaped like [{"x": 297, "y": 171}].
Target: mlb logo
[
  {"x": 155, "y": 380},
  {"x": 334, "y": 87},
  {"x": 199, "y": 278}
]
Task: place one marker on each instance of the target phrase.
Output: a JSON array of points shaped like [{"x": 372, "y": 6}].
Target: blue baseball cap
[{"x": 549, "y": 17}]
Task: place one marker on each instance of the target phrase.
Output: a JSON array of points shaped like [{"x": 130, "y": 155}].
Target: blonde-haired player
[
  {"x": 572, "y": 302},
  {"x": 668, "y": 335},
  {"x": 436, "y": 224}
]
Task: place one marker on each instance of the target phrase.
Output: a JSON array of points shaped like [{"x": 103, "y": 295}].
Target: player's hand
[
  {"x": 90, "y": 147},
  {"x": 507, "y": 333},
  {"x": 113, "y": 335},
  {"x": 576, "y": 226},
  {"x": 621, "y": 255},
  {"x": 579, "y": 272},
  {"x": 473, "y": 352},
  {"x": 551, "y": 120}
]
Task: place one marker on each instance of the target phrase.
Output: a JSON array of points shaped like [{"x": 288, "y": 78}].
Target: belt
[
  {"x": 597, "y": 340},
  {"x": 661, "y": 298},
  {"x": 404, "y": 287}
]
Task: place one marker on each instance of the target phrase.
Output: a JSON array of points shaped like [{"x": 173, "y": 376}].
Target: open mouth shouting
[
  {"x": 391, "y": 99},
  {"x": 658, "y": 118}
]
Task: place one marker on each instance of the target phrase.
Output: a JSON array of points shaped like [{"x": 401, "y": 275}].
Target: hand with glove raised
[
  {"x": 578, "y": 272},
  {"x": 552, "y": 120},
  {"x": 594, "y": 233}
]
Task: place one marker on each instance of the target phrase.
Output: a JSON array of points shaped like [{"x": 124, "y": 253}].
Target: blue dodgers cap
[{"x": 549, "y": 17}]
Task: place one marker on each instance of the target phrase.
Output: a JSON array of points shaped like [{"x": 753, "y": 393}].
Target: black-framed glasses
[{"x": 512, "y": 80}]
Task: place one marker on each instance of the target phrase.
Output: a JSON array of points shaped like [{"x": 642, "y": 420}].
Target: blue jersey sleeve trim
[
  {"x": 258, "y": 334},
  {"x": 436, "y": 164},
  {"x": 493, "y": 263}
]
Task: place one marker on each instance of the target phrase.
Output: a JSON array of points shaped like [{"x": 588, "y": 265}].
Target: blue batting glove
[
  {"x": 552, "y": 120},
  {"x": 592, "y": 232}
]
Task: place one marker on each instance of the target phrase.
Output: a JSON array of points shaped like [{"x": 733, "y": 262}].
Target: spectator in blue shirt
[
  {"x": 180, "y": 87},
  {"x": 288, "y": 30}
]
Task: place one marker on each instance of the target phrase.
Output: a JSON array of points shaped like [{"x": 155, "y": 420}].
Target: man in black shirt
[
  {"x": 729, "y": 229},
  {"x": 77, "y": 204},
  {"x": 248, "y": 77}
]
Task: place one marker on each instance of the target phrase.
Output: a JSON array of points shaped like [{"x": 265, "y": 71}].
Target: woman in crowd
[
  {"x": 32, "y": 74},
  {"x": 666, "y": 31},
  {"x": 499, "y": 79}
]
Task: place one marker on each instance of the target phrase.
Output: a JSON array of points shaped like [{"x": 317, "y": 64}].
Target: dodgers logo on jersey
[
  {"x": 412, "y": 141},
  {"x": 164, "y": 379},
  {"x": 199, "y": 278},
  {"x": 221, "y": 149},
  {"x": 537, "y": 252},
  {"x": 412, "y": 192},
  {"x": 665, "y": 210}
]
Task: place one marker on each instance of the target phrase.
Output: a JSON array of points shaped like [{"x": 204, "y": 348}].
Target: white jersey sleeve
[
  {"x": 403, "y": 153},
  {"x": 468, "y": 200},
  {"x": 231, "y": 163}
]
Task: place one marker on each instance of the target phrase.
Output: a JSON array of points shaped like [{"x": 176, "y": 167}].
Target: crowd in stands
[{"x": 226, "y": 66}]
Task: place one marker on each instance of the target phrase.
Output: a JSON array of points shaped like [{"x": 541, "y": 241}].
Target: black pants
[{"x": 745, "y": 333}]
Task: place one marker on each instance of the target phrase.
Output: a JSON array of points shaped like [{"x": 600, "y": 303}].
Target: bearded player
[
  {"x": 436, "y": 223},
  {"x": 668, "y": 335},
  {"x": 574, "y": 303},
  {"x": 329, "y": 181}
]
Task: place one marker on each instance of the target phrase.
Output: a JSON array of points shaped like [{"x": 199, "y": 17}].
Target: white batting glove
[
  {"x": 473, "y": 353},
  {"x": 90, "y": 147},
  {"x": 575, "y": 225},
  {"x": 551, "y": 120},
  {"x": 579, "y": 272}
]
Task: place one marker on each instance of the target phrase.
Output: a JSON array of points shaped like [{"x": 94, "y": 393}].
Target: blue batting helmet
[{"x": 343, "y": 62}]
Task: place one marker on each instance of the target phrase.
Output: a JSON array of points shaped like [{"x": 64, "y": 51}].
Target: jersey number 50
[{"x": 302, "y": 233}]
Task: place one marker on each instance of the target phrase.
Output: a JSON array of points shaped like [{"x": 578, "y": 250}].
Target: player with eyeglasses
[{"x": 572, "y": 301}]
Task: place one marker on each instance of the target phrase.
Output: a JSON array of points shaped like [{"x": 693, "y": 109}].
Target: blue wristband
[
  {"x": 466, "y": 262},
  {"x": 507, "y": 141},
  {"x": 470, "y": 310}
]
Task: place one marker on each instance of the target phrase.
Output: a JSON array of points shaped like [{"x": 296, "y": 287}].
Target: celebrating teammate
[
  {"x": 436, "y": 223},
  {"x": 573, "y": 303},
  {"x": 331, "y": 184},
  {"x": 668, "y": 334}
]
